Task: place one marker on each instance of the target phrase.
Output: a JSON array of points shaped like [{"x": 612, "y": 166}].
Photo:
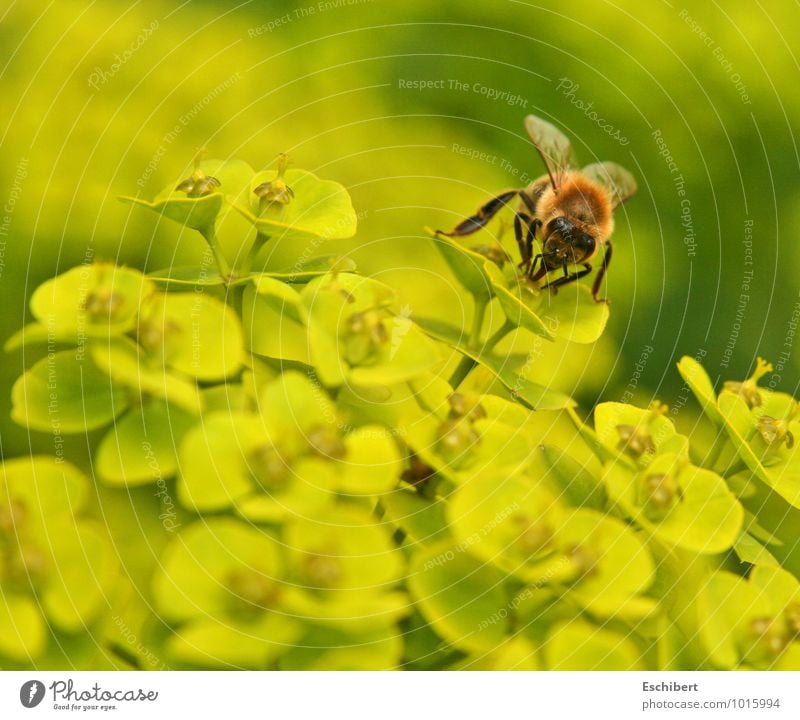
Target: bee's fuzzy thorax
[{"x": 583, "y": 201}]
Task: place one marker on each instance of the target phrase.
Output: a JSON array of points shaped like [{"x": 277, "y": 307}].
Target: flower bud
[
  {"x": 465, "y": 405},
  {"x": 102, "y": 304},
  {"x": 198, "y": 185},
  {"x": 775, "y": 432},
  {"x": 535, "y": 535},
  {"x": 12, "y": 517},
  {"x": 583, "y": 560},
  {"x": 365, "y": 335},
  {"x": 456, "y": 437},
  {"x": 275, "y": 192},
  {"x": 268, "y": 468},
  {"x": 253, "y": 591},
  {"x": 494, "y": 252},
  {"x": 659, "y": 493},
  {"x": 769, "y": 639},
  {"x": 321, "y": 571},
  {"x": 748, "y": 389},
  {"x": 326, "y": 441},
  {"x": 636, "y": 441}
]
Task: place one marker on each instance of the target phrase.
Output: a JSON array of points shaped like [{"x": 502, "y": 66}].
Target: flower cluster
[{"x": 344, "y": 498}]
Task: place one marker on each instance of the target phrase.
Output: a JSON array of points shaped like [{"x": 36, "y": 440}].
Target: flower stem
[
  {"x": 222, "y": 264},
  {"x": 258, "y": 243},
  {"x": 711, "y": 460},
  {"x": 468, "y": 363}
]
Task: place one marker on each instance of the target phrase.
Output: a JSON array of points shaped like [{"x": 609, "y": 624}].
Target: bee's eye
[
  {"x": 585, "y": 242},
  {"x": 559, "y": 225}
]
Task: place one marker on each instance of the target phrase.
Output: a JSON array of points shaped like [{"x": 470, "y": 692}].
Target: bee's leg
[
  {"x": 569, "y": 277},
  {"x": 525, "y": 244},
  {"x": 529, "y": 202},
  {"x": 482, "y": 217},
  {"x": 601, "y": 272}
]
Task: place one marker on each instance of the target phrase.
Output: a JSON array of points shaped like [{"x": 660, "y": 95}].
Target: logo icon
[{"x": 31, "y": 693}]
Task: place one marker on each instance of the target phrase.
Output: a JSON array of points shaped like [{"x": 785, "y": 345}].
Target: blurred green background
[{"x": 104, "y": 98}]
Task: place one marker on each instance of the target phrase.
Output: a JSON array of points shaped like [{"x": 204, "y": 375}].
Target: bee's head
[{"x": 562, "y": 231}]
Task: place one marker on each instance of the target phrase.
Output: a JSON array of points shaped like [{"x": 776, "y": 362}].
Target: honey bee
[{"x": 568, "y": 211}]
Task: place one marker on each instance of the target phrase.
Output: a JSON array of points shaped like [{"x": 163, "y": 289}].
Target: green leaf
[
  {"x": 577, "y": 645},
  {"x": 48, "y": 488},
  {"x": 214, "y": 471},
  {"x": 325, "y": 648},
  {"x": 468, "y": 266},
  {"x": 200, "y": 213},
  {"x": 422, "y": 520},
  {"x": 517, "y": 306},
  {"x": 343, "y": 553},
  {"x": 193, "y": 275},
  {"x": 784, "y": 476},
  {"x": 23, "y": 634},
  {"x": 66, "y": 393},
  {"x": 84, "y": 572},
  {"x": 569, "y": 470},
  {"x": 372, "y": 463},
  {"x": 700, "y": 384},
  {"x": 193, "y": 333},
  {"x": 726, "y": 609},
  {"x": 573, "y": 314},
  {"x": 275, "y": 324},
  {"x": 621, "y": 567},
  {"x": 305, "y": 270},
  {"x": 750, "y": 550},
  {"x": 508, "y": 521},
  {"x": 611, "y": 418},
  {"x": 142, "y": 447},
  {"x": 533, "y": 395},
  {"x": 463, "y": 599},
  {"x": 126, "y": 365},
  {"x": 320, "y": 208},
  {"x": 196, "y": 213},
  {"x": 94, "y": 300},
  {"x": 706, "y": 518},
  {"x": 516, "y": 653},
  {"x": 201, "y": 569},
  {"x": 216, "y": 642}
]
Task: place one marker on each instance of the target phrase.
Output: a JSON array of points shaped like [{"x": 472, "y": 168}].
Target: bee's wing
[
  {"x": 620, "y": 184},
  {"x": 553, "y": 146}
]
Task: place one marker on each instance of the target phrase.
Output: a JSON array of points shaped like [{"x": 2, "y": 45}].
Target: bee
[{"x": 570, "y": 212}]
